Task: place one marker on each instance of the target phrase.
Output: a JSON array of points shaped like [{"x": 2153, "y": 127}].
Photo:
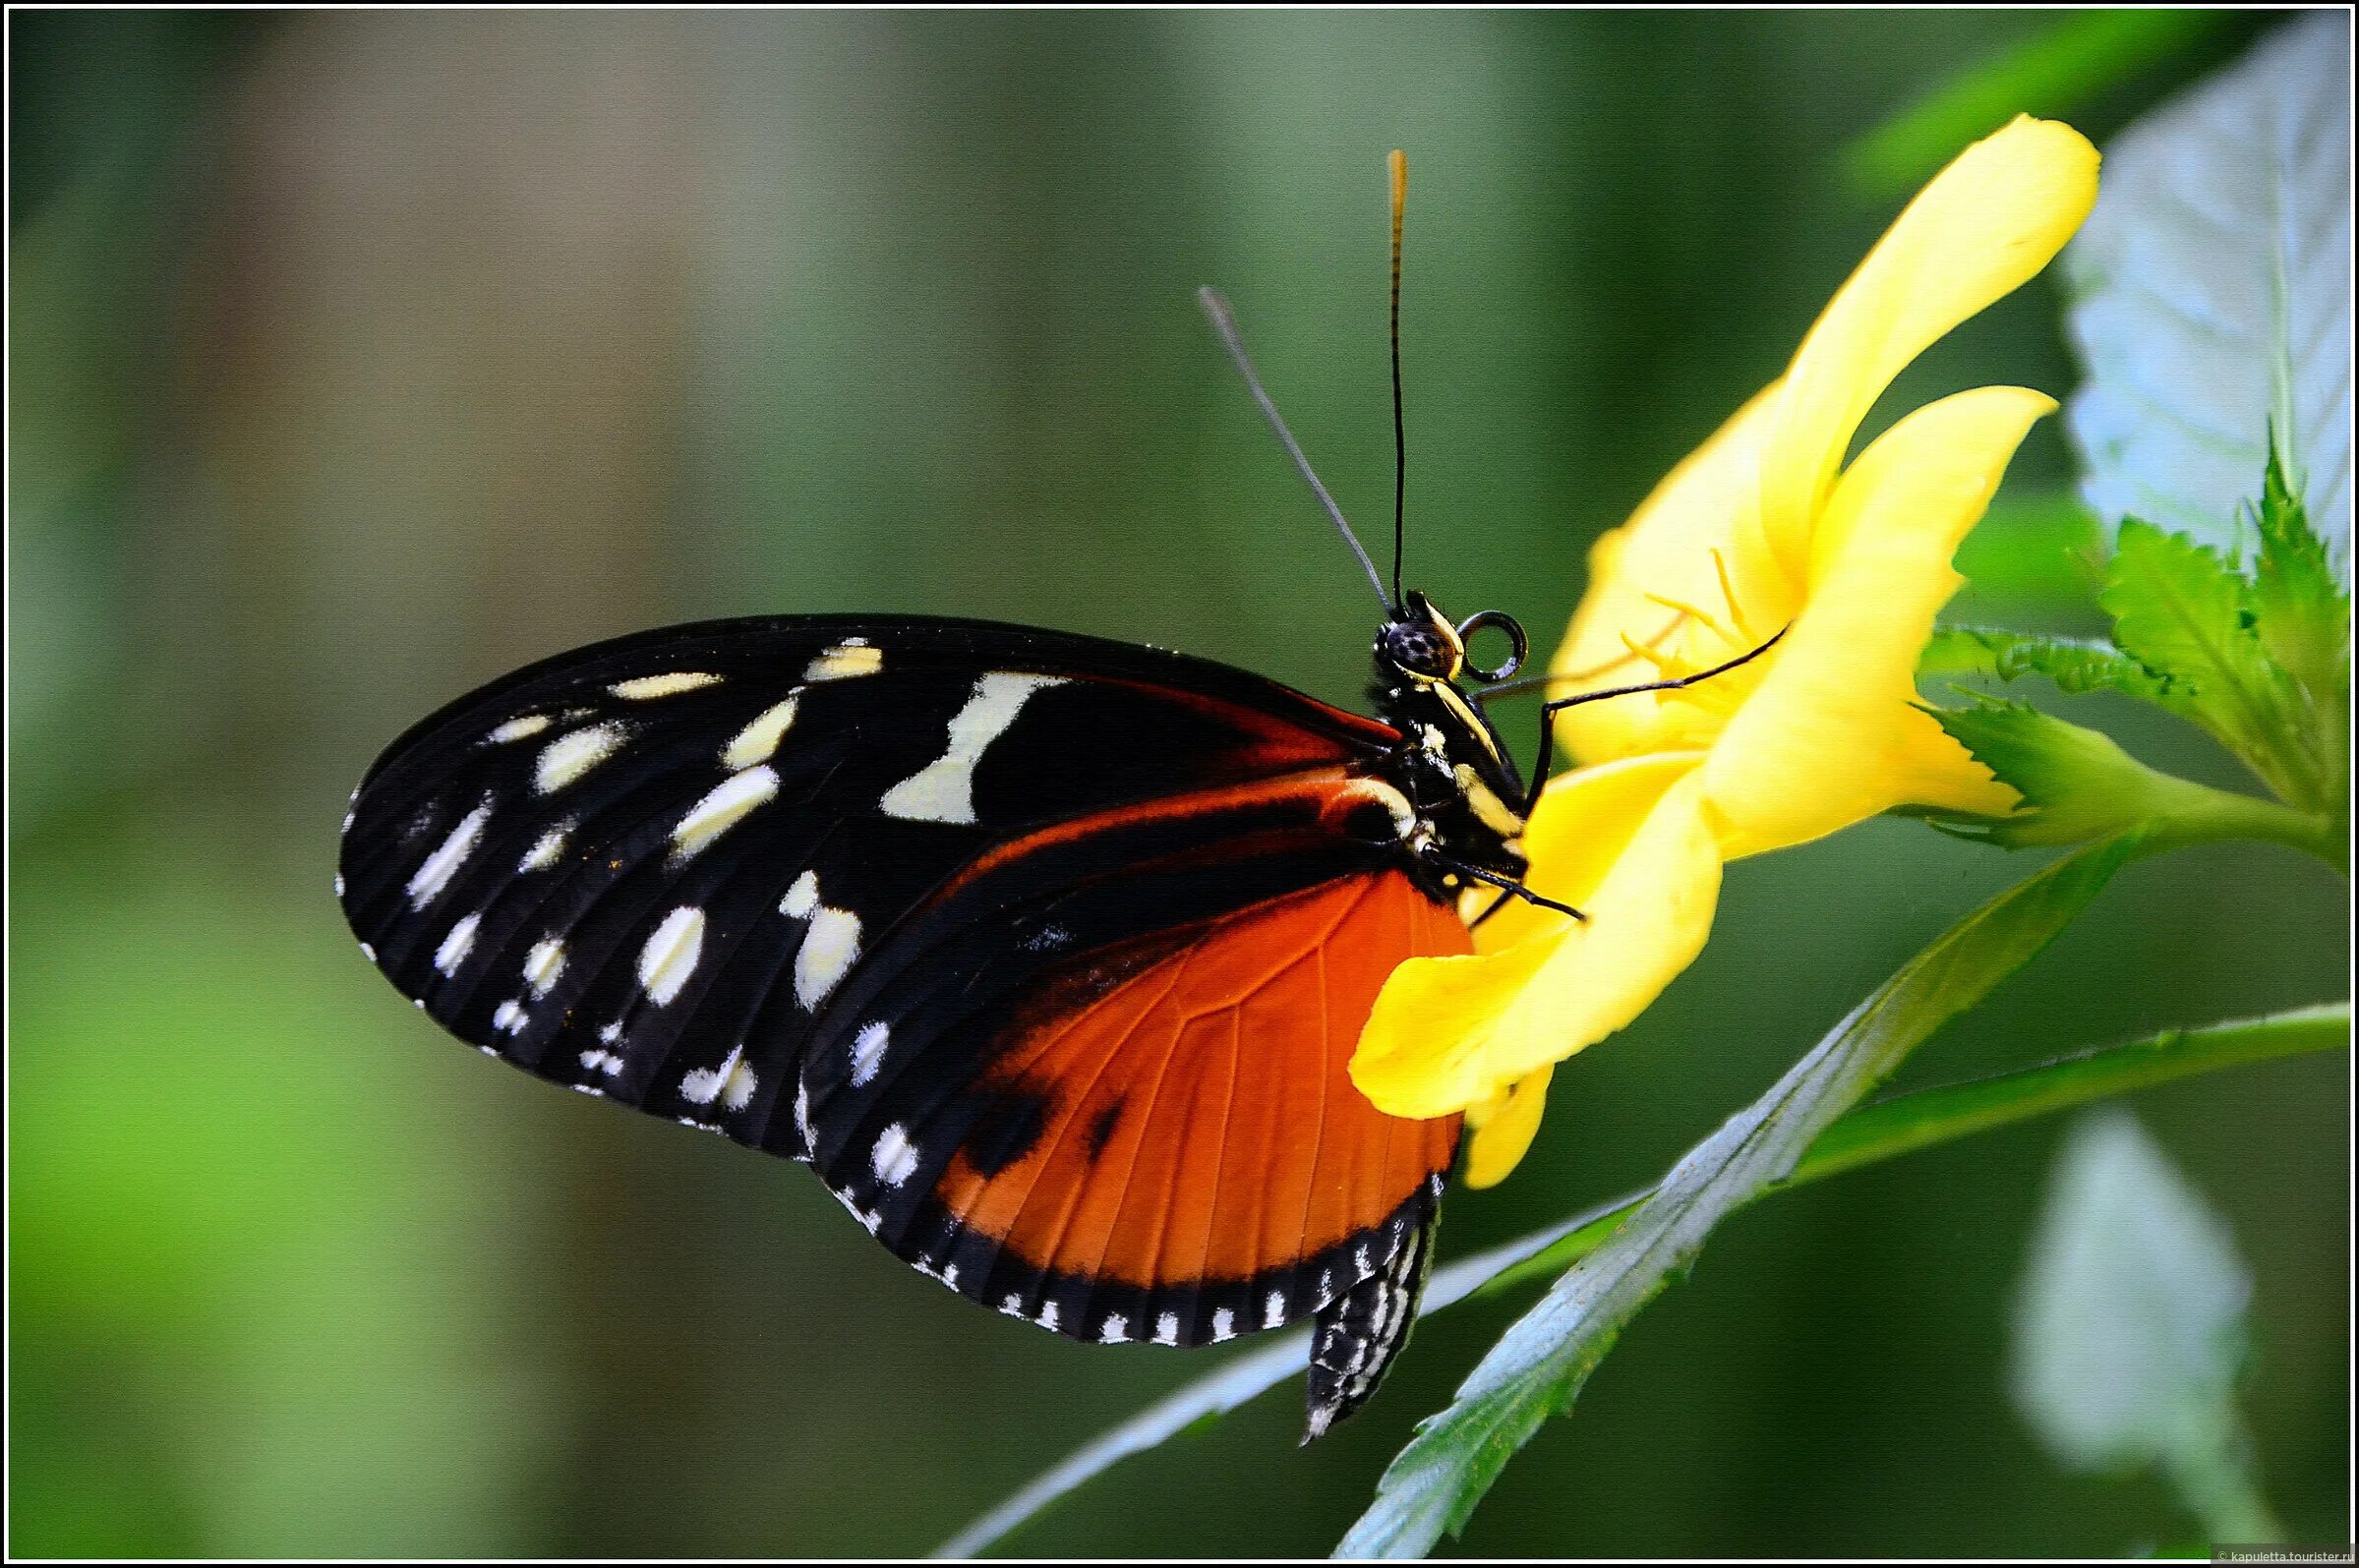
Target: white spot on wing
[
  {"x": 545, "y": 848},
  {"x": 759, "y": 740},
  {"x": 670, "y": 955},
  {"x": 1225, "y": 1325},
  {"x": 943, "y": 791},
  {"x": 895, "y": 1157},
  {"x": 1115, "y": 1329},
  {"x": 641, "y": 688},
  {"x": 518, "y": 728},
  {"x": 611, "y": 1034},
  {"x": 1273, "y": 1312},
  {"x": 722, "y": 807},
  {"x": 605, "y": 1062},
  {"x": 453, "y": 951},
  {"x": 847, "y": 658},
  {"x": 829, "y": 947},
  {"x": 802, "y": 898},
  {"x": 443, "y": 863},
  {"x": 1048, "y": 1315},
  {"x": 574, "y": 753},
  {"x": 869, "y": 1050},
  {"x": 544, "y": 964},
  {"x": 510, "y": 1017},
  {"x": 702, "y": 1085},
  {"x": 1168, "y": 1330}
]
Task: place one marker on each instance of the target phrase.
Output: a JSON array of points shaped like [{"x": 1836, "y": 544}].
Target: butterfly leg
[
  {"x": 1508, "y": 887},
  {"x": 1549, "y": 711}
]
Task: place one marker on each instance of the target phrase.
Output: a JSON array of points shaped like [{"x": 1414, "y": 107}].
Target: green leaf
[
  {"x": 2183, "y": 612},
  {"x": 1886, "y": 1130},
  {"x": 2077, "y": 784},
  {"x": 2073, "y": 60},
  {"x": 2301, "y": 614},
  {"x": 2077, "y": 664},
  {"x": 1540, "y": 1365},
  {"x": 2210, "y": 296},
  {"x": 2130, "y": 1330}
]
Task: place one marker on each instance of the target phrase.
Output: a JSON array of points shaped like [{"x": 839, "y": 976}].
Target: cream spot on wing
[
  {"x": 853, "y": 657},
  {"x": 829, "y": 947},
  {"x": 802, "y": 898},
  {"x": 544, "y": 964},
  {"x": 670, "y": 953},
  {"x": 869, "y": 1050},
  {"x": 943, "y": 791},
  {"x": 453, "y": 951},
  {"x": 759, "y": 740},
  {"x": 545, "y": 848},
  {"x": 574, "y": 753},
  {"x": 440, "y": 866},
  {"x": 895, "y": 1157},
  {"x": 736, "y": 1091},
  {"x": 518, "y": 728},
  {"x": 643, "y": 688},
  {"x": 722, "y": 807}
]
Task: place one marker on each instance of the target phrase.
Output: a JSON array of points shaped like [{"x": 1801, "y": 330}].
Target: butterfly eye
[{"x": 1518, "y": 645}]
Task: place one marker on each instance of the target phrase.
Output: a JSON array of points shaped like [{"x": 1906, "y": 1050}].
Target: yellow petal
[
  {"x": 1982, "y": 227},
  {"x": 1582, "y": 826},
  {"x": 1449, "y": 1033},
  {"x": 1498, "y": 1131},
  {"x": 1829, "y": 736},
  {"x": 1673, "y": 551}
]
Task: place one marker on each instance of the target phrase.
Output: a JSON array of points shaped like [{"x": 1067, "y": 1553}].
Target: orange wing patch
[{"x": 1195, "y": 1121}]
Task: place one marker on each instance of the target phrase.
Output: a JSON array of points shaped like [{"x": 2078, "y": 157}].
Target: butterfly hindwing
[{"x": 1046, "y": 951}]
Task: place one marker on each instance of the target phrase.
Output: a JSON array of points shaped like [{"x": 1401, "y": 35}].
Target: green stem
[
  {"x": 1905, "y": 1122},
  {"x": 2195, "y": 813}
]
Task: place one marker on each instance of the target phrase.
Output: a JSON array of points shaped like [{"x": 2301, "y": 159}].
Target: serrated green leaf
[
  {"x": 2077, "y": 784},
  {"x": 2301, "y": 614},
  {"x": 2186, "y": 614},
  {"x": 2211, "y": 294},
  {"x": 2130, "y": 1329},
  {"x": 1539, "y": 1365},
  {"x": 2077, "y": 664}
]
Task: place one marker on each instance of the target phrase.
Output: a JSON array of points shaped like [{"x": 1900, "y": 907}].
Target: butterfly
[{"x": 1047, "y": 954}]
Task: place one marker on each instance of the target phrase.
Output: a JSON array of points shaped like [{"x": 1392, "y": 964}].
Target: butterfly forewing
[{"x": 1046, "y": 951}]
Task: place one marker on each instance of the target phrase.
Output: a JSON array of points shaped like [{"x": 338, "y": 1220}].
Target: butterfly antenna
[
  {"x": 1225, "y": 324},
  {"x": 1399, "y": 163}
]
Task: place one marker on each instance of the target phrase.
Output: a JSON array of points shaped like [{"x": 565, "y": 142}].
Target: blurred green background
[{"x": 359, "y": 358}]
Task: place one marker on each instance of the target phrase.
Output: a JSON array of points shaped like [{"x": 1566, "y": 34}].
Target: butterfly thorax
[{"x": 1451, "y": 766}]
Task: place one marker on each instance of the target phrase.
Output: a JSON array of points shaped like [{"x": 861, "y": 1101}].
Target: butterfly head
[{"x": 1420, "y": 643}]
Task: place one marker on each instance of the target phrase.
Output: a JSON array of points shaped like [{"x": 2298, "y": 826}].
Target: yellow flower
[{"x": 1762, "y": 529}]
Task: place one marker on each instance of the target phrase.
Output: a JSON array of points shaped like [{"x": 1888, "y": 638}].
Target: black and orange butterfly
[{"x": 1046, "y": 953}]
